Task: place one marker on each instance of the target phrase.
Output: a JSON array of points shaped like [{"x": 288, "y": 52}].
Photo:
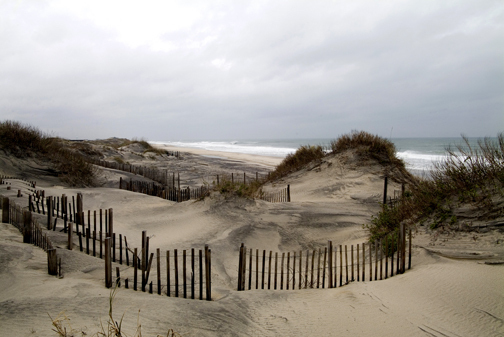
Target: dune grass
[
  {"x": 112, "y": 328},
  {"x": 296, "y": 161},
  {"x": 468, "y": 175},
  {"x": 144, "y": 144},
  {"x": 369, "y": 145},
  {"x": 229, "y": 187},
  {"x": 26, "y": 141}
]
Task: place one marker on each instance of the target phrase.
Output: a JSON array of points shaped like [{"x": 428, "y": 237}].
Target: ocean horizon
[{"x": 419, "y": 154}]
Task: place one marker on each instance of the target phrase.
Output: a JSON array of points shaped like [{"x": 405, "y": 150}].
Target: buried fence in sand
[
  {"x": 184, "y": 194},
  {"x": 187, "y": 279},
  {"x": 164, "y": 192},
  {"x": 322, "y": 267},
  {"x": 188, "y": 275}
]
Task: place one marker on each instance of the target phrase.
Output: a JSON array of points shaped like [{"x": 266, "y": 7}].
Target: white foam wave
[
  {"x": 419, "y": 161},
  {"x": 234, "y": 146}
]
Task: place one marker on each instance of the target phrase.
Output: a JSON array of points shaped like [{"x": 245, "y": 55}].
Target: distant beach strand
[{"x": 419, "y": 154}]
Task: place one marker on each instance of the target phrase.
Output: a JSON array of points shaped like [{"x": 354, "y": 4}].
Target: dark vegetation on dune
[
  {"x": 24, "y": 141},
  {"x": 367, "y": 147},
  {"x": 470, "y": 178},
  {"x": 68, "y": 159}
]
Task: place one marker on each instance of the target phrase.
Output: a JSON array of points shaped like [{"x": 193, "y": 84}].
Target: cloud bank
[{"x": 168, "y": 70}]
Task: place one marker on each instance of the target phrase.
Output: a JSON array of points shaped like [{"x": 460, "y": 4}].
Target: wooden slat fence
[
  {"x": 3, "y": 180},
  {"x": 165, "y": 192},
  {"x": 280, "y": 196},
  {"x": 32, "y": 232},
  {"x": 161, "y": 176},
  {"x": 185, "y": 273},
  {"x": 237, "y": 179},
  {"x": 329, "y": 267}
]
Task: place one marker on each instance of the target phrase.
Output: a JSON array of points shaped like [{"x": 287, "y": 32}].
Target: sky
[{"x": 213, "y": 70}]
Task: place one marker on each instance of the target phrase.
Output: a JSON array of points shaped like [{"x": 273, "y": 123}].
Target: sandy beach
[{"x": 449, "y": 291}]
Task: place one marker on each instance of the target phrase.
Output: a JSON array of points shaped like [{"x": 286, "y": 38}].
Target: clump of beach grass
[
  {"x": 112, "y": 328},
  {"x": 147, "y": 147},
  {"x": 26, "y": 141},
  {"x": 297, "y": 160},
  {"x": 467, "y": 175},
  {"x": 369, "y": 145},
  {"x": 228, "y": 186}
]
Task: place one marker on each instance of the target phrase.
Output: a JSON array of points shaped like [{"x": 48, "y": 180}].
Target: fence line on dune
[
  {"x": 187, "y": 279},
  {"x": 170, "y": 183},
  {"x": 321, "y": 266},
  {"x": 106, "y": 244},
  {"x": 280, "y": 196},
  {"x": 152, "y": 173},
  {"x": 164, "y": 192},
  {"x": 32, "y": 232},
  {"x": 180, "y": 194}
]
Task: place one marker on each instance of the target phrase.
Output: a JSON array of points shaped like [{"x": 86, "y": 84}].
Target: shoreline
[
  {"x": 448, "y": 272},
  {"x": 268, "y": 161}
]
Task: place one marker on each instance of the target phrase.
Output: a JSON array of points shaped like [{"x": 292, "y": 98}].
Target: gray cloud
[{"x": 257, "y": 69}]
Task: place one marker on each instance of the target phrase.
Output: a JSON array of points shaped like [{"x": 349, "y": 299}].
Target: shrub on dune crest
[
  {"x": 367, "y": 144},
  {"x": 468, "y": 175},
  {"x": 27, "y": 141},
  {"x": 295, "y": 161}
]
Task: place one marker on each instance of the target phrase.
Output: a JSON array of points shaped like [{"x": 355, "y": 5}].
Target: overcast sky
[{"x": 176, "y": 70}]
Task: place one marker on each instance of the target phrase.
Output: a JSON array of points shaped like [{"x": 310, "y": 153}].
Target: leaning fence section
[
  {"x": 328, "y": 267},
  {"x": 177, "y": 273}
]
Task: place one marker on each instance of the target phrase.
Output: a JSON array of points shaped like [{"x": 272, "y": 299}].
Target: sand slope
[{"x": 439, "y": 296}]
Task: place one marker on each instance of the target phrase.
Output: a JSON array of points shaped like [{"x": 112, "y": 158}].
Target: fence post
[
  {"x": 108, "y": 264},
  {"x": 52, "y": 262},
  {"x": 110, "y": 222},
  {"x": 70, "y": 232},
  {"x": 288, "y": 194},
  {"x": 49, "y": 213},
  {"x": 144, "y": 258},
  {"x": 409, "y": 251},
  {"x": 208, "y": 270},
  {"x": 5, "y": 210},
  {"x": 27, "y": 227},
  {"x": 403, "y": 247},
  {"x": 385, "y": 190},
  {"x": 330, "y": 263},
  {"x": 240, "y": 264}
]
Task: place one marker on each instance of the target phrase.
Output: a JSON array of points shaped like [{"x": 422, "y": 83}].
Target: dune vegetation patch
[
  {"x": 26, "y": 141},
  {"x": 469, "y": 177},
  {"x": 297, "y": 160}
]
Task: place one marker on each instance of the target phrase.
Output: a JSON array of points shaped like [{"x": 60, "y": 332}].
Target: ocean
[{"x": 419, "y": 154}]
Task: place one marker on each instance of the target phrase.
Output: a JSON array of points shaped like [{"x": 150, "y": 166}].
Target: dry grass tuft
[{"x": 111, "y": 329}]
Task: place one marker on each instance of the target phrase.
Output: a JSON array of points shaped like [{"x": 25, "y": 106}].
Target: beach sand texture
[{"x": 449, "y": 291}]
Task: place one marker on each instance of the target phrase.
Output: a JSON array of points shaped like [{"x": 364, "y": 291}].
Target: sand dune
[{"x": 439, "y": 296}]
